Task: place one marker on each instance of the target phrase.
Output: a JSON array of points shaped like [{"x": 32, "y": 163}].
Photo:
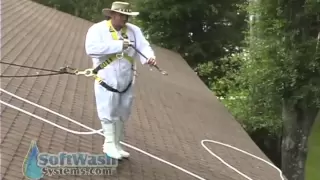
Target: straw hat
[{"x": 120, "y": 7}]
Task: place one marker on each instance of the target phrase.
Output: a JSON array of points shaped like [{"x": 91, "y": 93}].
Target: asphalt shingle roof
[{"x": 170, "y": 116}]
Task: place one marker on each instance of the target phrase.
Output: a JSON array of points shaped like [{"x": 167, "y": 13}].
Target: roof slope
[{"x": 171, "y": 114}]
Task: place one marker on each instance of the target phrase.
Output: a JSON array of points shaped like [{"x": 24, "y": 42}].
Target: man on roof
[{"x": 111, "y": 40}]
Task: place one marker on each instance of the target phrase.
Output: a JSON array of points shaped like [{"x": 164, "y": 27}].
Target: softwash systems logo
[{"x": 37, "y": 165}]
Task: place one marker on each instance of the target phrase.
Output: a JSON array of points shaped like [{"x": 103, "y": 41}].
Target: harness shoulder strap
[{"x": 114, "y": 33}]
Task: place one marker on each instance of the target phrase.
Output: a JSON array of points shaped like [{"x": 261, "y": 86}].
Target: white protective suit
[{"x": 114, "y": 108}]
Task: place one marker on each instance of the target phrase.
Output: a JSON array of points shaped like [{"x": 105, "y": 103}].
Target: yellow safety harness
[{"x": 113, "y": 57}]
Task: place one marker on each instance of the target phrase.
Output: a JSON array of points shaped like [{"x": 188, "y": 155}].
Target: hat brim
[{"x": 107, "y": 12}]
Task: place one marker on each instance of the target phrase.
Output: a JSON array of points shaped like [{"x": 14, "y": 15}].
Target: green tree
[{"x": 281, "y": 74}]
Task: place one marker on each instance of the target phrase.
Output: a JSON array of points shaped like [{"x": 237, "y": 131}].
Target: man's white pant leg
[
  {"x": 107, "y": 103},
  {"x": 126, "y": 100},
  {"x": 107, "y": 106}
]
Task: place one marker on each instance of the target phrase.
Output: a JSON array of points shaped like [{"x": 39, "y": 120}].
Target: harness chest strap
[{"x": 114, "y": 35}]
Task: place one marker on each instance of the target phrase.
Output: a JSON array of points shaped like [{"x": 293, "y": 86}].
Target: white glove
[{"x": 126, "y": 43}]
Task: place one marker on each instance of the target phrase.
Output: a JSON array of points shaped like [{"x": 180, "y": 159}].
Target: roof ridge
[{"x": 65, "y": 13}]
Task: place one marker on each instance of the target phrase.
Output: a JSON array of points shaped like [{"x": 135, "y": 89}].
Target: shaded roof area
[{"x": 170, "y": 116}]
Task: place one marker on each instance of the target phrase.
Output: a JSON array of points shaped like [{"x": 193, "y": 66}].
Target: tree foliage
[
  {"x": 281, "y": 59},
  {"x": 203, "y": 32},
  {"x": 279, "y": 76}
]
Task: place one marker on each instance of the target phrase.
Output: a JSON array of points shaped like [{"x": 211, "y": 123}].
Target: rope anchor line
[
  {"x": 87, "y": 72},
  {"x": 62, "y": 70},
  {"x": 69, "y": 70}
]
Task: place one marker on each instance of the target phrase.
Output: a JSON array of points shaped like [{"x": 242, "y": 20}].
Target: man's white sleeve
[
  {"x": 96, "y": 48},
  {"x": 144, "y": 47}
]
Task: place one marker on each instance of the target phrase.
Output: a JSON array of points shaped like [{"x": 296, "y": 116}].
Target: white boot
[
  {"x": 109, "y": 146},
  {"x": 119, "y": 137}
]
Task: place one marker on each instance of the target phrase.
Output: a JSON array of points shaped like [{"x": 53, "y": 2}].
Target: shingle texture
[{"x": 170, "y": 116}]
